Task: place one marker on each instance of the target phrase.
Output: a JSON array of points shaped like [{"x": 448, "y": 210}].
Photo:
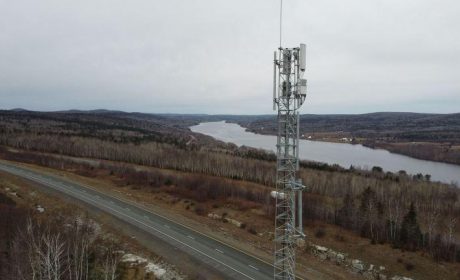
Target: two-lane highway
[{"x": 231, "y": 262}]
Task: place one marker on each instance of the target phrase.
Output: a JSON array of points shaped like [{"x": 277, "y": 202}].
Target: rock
[
  {"x": 320, "y": 249},
  {"x": 233, "y": 222},
  {"x": 326, "y": 253},
  {"x": 340, "y": 258},
  {"x": 369, "y": 275},
  {"x": 357, "y": 266},
  {"x": 396, "y": 277},
  {"x": 214, "y": 216},
  {"x": 373, "y": 272},
  {"x": 331, "y": 255},
  {"x": 300, "y": 242}
]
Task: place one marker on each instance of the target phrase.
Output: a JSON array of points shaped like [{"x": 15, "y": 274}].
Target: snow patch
[
  {"x": 132, "y": 258},
  {"x": 40, "y": 208},
  {"x": 155, "y": 269},
  {"x": 150, "y": 267}
]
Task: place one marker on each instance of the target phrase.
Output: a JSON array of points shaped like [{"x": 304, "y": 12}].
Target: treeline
[
  {"x": 444, "y": 152},
  {"x": 377, "y": 209},
  {"x": 160, "y": 155},
  {"x": 392, "y": 126},
  {"x": 108, "y": 127},
  {"x": 391, "y": 221},
  {"x": 198, "y": 187},
  {"x": 231, "y": 162},
  {"x": 410, "y": 214},
  {"x": 53, "y": 247}
]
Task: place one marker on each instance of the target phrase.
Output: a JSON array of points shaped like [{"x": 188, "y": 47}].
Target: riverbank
[
  {"x": 439, "y": 152},
  {"x": 342, "y": 154},
  {"x": 434, "y": 137}
]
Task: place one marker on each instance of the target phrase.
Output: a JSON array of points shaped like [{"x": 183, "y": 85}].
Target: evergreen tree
[{"x": 410, "y": 230}]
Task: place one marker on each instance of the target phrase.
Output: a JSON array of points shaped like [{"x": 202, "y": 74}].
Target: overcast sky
[{"x": 215, "y": 56}]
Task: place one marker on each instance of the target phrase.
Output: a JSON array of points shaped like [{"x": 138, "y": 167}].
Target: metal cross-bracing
[{"x": 289, "y": 92}]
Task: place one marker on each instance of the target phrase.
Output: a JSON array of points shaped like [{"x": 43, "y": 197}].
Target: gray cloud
[{"x": 213, "y": 56}]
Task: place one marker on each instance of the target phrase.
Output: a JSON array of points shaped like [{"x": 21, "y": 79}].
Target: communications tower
[{"x": 289, "y": 93}]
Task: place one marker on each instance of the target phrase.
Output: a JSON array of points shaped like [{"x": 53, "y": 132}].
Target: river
[{"x": 342, "y": 154}]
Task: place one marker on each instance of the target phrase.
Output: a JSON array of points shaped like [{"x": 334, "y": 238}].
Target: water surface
[{"x": 334, "y": 153}]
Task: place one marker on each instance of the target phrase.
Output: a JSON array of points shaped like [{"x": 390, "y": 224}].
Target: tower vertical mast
[{"x": 289, "y": 93}]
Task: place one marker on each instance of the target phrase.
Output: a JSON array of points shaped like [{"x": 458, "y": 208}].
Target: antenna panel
[
  {"x": 303, "y": 86},
  {"x": 303, "y": 57}
]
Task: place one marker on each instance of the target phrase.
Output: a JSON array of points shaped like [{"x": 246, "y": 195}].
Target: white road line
[
  {"x": 120, "y": 213},
  {"x": 177, "y": 240},
  {"x": 253, "y": 267},
  {"x": 140, "y": 222},
  {"x": 219, "y": 251},
  {"x": 191, "y": 237}
]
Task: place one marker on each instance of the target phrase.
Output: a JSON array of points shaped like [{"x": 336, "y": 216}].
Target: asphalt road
[{"x": 231, "y": 262}]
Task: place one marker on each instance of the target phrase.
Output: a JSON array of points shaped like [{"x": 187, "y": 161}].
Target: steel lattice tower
[{"x": 289, "y": 92}]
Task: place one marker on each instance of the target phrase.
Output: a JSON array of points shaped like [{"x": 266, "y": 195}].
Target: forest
[
  {"x": 57, "y": 246},
  {"x": 408, "y": 212}
]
